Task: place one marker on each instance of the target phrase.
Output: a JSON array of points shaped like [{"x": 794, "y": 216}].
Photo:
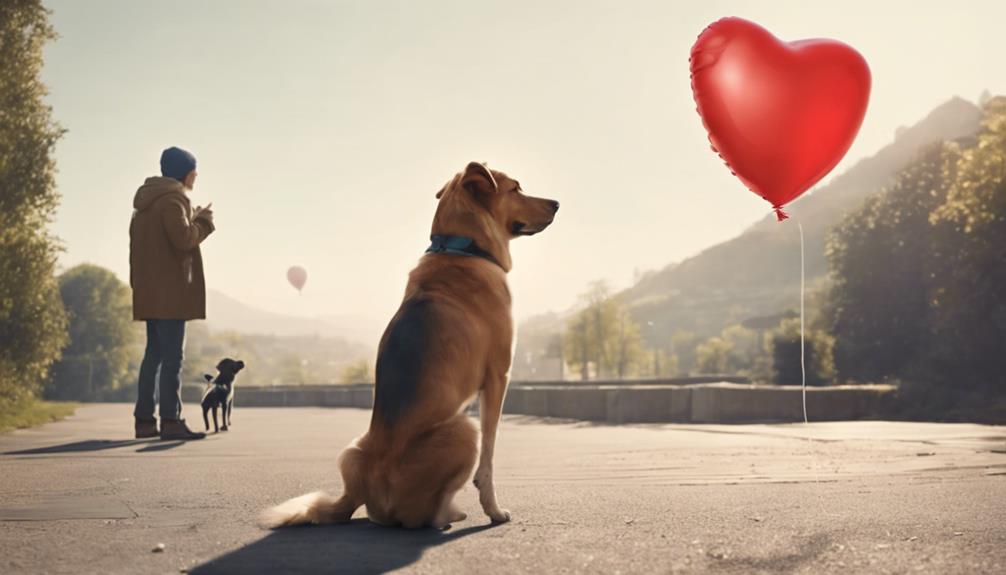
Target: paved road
[{"x": 79, "y": 496}]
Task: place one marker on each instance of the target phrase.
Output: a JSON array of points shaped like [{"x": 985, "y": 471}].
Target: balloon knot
[{"x": 779, "y": 214}]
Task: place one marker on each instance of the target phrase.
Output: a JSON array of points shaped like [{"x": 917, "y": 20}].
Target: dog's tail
[
  {"x": 314, "y": 508},
  {"x": 319, "y": 508}
]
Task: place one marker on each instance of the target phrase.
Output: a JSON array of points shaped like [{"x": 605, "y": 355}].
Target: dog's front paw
[
  {"x": 224, "y": 428},
  {"x": 499, "y": 516}
]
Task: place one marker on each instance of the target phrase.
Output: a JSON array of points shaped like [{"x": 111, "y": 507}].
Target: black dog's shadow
[{"x": 355, "y": 547}]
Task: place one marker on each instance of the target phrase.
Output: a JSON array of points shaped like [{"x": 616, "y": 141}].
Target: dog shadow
[
  {"x": 146, "y": 445},
  {"x": 357, "y": 547}
]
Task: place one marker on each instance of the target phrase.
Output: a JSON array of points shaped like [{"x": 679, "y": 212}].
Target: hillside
[
  {"x": 758, "y": 273},
  {"x": 228, "y": 314}
]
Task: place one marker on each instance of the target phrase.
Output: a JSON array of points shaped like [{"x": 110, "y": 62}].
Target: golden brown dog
[{"x": 450, "y": 340}]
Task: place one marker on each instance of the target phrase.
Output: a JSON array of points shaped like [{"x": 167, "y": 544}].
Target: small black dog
[{"x": 221, "y": 393}]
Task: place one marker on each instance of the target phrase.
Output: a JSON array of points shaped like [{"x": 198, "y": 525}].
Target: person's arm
[{"x": 184, "y": 234}]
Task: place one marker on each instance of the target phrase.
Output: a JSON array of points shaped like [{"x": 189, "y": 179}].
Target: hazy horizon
[{"x": 323, "y": 130}]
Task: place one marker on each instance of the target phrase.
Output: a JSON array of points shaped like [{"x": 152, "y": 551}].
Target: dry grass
[{"x": 32, "y": 412}]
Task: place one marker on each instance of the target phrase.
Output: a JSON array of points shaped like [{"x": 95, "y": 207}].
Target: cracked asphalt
[{"x": 81, "y": 496}]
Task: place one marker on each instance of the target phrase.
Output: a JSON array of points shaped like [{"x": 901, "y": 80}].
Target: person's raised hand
[{"x": 205, "y": 213}]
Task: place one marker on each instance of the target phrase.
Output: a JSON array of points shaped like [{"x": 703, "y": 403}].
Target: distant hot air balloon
[{"x": 297, "y": 276}]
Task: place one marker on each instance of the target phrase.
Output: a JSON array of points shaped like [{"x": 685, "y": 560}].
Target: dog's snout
[{"x": 554, "y": 205}]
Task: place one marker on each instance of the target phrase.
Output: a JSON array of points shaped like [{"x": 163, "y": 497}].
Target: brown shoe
[
  {"x": 146, "y": 428},
  {"x": 176, "y": 429}
]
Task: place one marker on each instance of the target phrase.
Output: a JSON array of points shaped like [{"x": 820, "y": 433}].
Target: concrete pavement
[{"x": 80, "y": 496}]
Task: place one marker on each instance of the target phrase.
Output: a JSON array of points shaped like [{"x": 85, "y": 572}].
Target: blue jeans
[{"x": 165, "y": 345}]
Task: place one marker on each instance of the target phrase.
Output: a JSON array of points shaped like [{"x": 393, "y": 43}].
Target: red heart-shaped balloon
[{"x": 780, "y": 114}]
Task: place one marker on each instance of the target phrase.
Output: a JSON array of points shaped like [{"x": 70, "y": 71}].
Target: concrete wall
[
  {"x": 650, "y": 403},
  {"x": 652, "y": 382},
  {"x": 293, "y": 395}
]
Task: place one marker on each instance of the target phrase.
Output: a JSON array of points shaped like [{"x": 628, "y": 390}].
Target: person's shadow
[
  {"x": 147, "y": 445},
  {"x": 355, "y": 547}
]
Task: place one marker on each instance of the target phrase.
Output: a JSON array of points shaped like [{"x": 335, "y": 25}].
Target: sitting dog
[
  {"x": 221, "y": 393},
  {"x": 450, "y": 340}
]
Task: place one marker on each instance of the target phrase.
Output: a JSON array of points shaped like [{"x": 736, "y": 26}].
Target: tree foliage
[
  {"x": 602, "y": 338},
  {"x": 918, "y": 272},
  {"x": 968, "y": 290},
  {"x": 102, "y": 336},
  {"x": 683, "y": 346},
  {"x": 32, "y": 322},
  {"x": 713, "y": 355},
  {"x": 818, "y": 355},
  {"x": 271, "y": 359},
  {"x": 881, "y": 266},
  {"x": 358, "y": 372}
]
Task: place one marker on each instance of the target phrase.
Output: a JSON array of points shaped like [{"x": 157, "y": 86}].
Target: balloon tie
[{"x": 779, "y": 214}]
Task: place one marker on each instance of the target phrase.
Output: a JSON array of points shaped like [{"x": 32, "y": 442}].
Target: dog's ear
[
  {"x": 442, "y": 190},
  {"x": 478, "y": 179}
]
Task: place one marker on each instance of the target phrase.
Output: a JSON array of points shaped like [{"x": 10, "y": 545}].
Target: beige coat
[{"x": 165, "y": 265}]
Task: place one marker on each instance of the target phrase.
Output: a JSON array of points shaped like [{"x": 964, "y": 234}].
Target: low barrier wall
[{"x": 646, "y": 403}]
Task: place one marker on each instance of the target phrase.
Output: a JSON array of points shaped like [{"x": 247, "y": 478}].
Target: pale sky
[{"x": 324, "y": 129}]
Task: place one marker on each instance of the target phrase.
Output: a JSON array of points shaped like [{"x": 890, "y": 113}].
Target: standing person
[{"x": 166, "y": 274}]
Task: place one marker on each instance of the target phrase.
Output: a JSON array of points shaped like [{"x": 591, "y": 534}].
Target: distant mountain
[
  {"x": 758, "y": 272},
  {"x": 227, "y": 313}
]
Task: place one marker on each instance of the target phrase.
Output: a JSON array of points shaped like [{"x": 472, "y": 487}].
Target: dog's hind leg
[
  {"x": 490, "y": 409},
  {"x": 206, "y": 420},
  {"x": 449, "y": 512},
  {"x": 463, "y": 456},
  {"x": 216, "y": 428},
  {"x": 436, "y": 465}
]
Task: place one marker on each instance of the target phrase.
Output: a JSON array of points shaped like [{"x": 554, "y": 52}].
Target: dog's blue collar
[{"x": 459, "y": 246}]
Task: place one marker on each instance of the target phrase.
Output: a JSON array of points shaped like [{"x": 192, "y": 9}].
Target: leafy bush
[{"x": 818, "y": 355}]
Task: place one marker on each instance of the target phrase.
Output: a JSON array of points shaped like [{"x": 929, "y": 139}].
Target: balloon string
[{"x": 803, "y": 365}]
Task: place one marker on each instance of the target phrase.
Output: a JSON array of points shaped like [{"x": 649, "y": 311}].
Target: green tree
[
  {"x": 600, "y": 313},
  {"x": 967, "y": 288},
  {"x": 358, "y": 372},
  {"x": 918, "y": 274},
  {"x": 624, "y": 345},
  {"x": 293, "y": 370},
  {"x": 818, "y": 355},
  {"x": 713, "y": 355},
  {"x": 744, "y": 348},
  {"x": 603, "y": 335},
  {"x": 656, "y": 362},
  {"x": 555, "y": 350},
  {"x": 589, "y": 332},
  {"x": 32, "y": 323},
  {"x": 577, "y": 345},
  {"x": 683, "y": 345},
  {"x": 882, "y": 258},
  {"x": 96, "y": 359}
]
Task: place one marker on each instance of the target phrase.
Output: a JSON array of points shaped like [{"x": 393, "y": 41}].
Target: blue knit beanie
[{"x": 177, "y": 163}]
